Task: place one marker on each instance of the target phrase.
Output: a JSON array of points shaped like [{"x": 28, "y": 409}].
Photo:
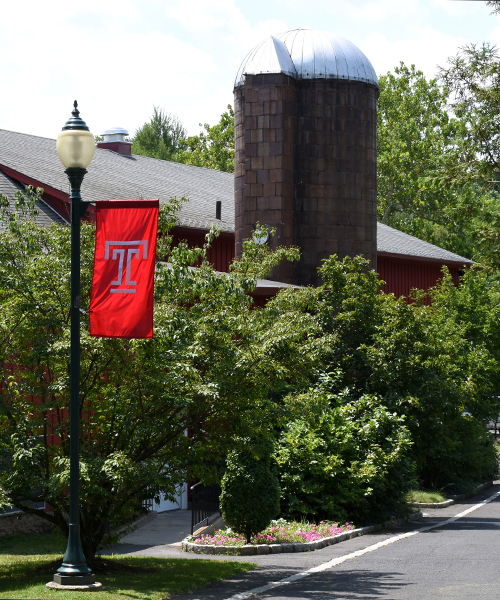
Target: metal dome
[{"x": 308, "y": 54}]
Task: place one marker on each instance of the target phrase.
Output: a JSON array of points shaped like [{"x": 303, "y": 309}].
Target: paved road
[{"x": 457, "y": 560}]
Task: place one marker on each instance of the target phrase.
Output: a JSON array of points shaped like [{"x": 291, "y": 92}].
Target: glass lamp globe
[{"x": 75, "y": 144}]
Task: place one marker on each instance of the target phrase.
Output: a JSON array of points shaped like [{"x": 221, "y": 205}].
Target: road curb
[
  {"x": 253, "y": 549},
  {"x": 444, "y": 504},
  {"x": 452, "y": 499}
]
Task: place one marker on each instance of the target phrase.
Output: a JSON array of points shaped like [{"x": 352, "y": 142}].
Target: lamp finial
[{"x": 75, "y": 122}]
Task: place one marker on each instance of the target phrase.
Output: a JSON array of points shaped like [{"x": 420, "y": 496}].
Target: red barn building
[
  {"x": 305, "y": 163},
  {"x": 403, "y": 261}
]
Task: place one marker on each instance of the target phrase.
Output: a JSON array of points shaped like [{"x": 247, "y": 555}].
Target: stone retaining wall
[{"x": 16, "y": 523}]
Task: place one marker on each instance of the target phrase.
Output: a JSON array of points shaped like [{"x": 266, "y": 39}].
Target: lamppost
[{"x": 75, "y": 147}]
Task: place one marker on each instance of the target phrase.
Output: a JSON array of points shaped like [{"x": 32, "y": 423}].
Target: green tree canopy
[
  {"x": 437, "y": 155},
  {"x": 415, "y": 137},
  {"x": 473, "y": 78},
  {"x": 160, "y": 137},
  {"x": 152, "y": 411},
  {"x": 495, "y": 5},
  {"x": 214, "y": 147}
]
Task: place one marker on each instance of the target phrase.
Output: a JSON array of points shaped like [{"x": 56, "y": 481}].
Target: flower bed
[
  {"x": 225, "y": 541},
  {"x": 278, "y": 532}
]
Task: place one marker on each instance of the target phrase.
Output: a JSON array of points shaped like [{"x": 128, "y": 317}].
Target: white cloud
[
  {"x": 117, "y": 77},
  {"x": 121, "y": 57},
  {"x": 381, "y": 10},
  {"x": 223, "y": 26},
  {"x": 425, "y": 48}
]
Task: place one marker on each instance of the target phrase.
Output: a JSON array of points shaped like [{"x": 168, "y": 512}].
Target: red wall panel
[
  {"x": 221, "y": 254},
  {"x": 401, "y": 276}
]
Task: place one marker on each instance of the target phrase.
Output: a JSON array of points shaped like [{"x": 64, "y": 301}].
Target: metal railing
[
  {"x": 204, "y": 503},
  {"x": 147, "y": 504},
  {"x": 14, "y": 509}
]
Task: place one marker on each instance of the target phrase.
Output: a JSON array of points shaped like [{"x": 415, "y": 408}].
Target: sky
[{"x": 120, "y": 58}]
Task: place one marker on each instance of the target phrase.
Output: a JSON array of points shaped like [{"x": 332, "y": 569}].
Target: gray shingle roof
[
  {"x": 392, "y": 241},
  {"x": 112, "y": 176},
  {"x": 8, "y": 187}
]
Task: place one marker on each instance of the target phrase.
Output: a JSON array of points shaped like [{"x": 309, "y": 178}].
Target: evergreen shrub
[{"x": 250, "y": 491}]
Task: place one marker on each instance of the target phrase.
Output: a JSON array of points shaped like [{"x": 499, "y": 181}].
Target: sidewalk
[{"x": 169, "y": 527}]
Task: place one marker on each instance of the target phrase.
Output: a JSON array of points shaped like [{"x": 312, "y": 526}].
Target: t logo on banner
[
  {"x": 121, "y": 298},
  {"x": 120, "y": 254}
]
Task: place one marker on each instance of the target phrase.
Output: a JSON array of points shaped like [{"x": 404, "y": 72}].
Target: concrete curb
[
  {"x": 479, "y": 488},
  {"x": 211, "y": 528},
  {"x": 252, "y": 549},
  {"x": 444, "y": 504},
  {"x": 452, "y": 499}
]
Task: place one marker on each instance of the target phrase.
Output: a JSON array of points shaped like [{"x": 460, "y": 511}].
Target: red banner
[{"x": 121, "y": 299}]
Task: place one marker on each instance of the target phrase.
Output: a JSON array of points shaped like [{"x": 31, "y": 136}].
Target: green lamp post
[{"x": 75, "y": 147}]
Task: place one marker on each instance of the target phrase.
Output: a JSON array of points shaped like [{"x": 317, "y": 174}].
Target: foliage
[
  {"x": 418, "y": 142},
  {"x": 495, "y": 5},
  {"x": 425, "y": 497},
  {"x": 343, "y": 458},
  {"x": 436, "y": 172},
  {"x": 473, "y": 78},
  {"x": 212, "y": 148},
  {"x": 250, "y": 491},
  {"x": 207, "y": 371},
  {"x": 27, "y": 562},
  {"x": 160, "y": 137},
  {"x": 414, "y": 131},
  {"x": 425, "y": 365}
]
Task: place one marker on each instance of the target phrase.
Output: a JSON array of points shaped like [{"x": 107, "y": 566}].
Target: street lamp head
[{"x": 75, "y": 144}]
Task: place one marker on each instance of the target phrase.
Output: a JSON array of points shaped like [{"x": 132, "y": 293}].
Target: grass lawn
[
  {"x": 28, "y": 562},
  {"x": 427, "y": 497}
]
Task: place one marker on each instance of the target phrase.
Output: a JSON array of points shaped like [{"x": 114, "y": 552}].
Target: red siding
[
  {"x": 403, "y": 275},
  {"x": 221, "y": 253}
]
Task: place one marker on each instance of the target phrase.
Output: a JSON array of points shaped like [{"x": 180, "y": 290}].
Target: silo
[{"x": 305, "y": 162}]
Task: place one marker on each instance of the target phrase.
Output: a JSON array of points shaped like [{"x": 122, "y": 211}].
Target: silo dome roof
[{"x": 308, "y": 54}]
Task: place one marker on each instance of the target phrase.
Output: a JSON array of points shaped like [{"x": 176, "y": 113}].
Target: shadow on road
[{"x": 353, "y": 584}]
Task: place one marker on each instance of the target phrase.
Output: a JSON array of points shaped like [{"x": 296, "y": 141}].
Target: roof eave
[{"x": 416, "y": 258}]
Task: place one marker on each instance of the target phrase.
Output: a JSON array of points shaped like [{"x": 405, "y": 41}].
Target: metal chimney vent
[{"x": 115, "y": 134}]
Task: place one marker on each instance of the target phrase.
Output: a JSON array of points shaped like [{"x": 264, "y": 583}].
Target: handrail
[{"x": 204, "y": 503}]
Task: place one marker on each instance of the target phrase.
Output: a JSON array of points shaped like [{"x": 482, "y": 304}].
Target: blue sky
[{"x": 119, "y": 58}]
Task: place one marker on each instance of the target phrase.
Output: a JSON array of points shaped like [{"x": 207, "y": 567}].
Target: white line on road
[{"x": 341, "y": 559}]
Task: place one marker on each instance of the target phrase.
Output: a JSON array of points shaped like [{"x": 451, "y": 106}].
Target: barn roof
[
  {"x": 392, "y": 242},
  {"x": 9, "y": 187},
  {"x": 113, "y": 176}
]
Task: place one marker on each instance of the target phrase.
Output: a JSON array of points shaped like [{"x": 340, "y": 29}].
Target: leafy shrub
[
  {"x": 342, "y": 458},
  {"x": 466, "y": 453},
  {"x": 250, "y": 491}
]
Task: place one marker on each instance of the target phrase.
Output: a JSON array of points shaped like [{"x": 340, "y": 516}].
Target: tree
[
  {"x": 416, "y": 137},
  {"x": 495, "y": 4},
  {"x": 435, "y": 180},
  {"x": 207, "y": 372},
  {"x": 389, "y": 366},
  {"x": 250, "y": 491},
  {"x": 214, "y": 147},
  {"x": 161, "y": 137},
  {"x": 473, "y": 78}
]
